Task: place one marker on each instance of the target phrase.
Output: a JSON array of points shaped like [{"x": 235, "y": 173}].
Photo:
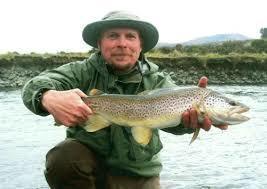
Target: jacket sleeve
[
  {"x": 164, "y": 80},
  {"x": 68, "y": 76}
]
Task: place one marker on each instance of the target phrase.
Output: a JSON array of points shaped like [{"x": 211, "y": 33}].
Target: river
[{"x": 235, "y": 158}]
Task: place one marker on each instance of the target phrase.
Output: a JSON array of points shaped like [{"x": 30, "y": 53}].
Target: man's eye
[
  {"x": 112, "y": 36},
  {"x": 130, "y": 36}
]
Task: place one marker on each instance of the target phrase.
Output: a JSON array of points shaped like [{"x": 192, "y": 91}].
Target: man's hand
[
  {"x": 190, "y": 117},
  {"x": 66, "y": 107}
]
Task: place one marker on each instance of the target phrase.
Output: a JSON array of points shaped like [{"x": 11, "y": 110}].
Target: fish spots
[{"x": 159, "y": 103}]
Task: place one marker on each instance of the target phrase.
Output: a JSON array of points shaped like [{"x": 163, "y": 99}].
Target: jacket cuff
[
  {"x": 40, "y": 110},
  {"x": 179, "y": 130}
]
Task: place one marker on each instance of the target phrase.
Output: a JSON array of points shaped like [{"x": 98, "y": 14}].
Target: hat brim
[{"x": 149, "y": 34}]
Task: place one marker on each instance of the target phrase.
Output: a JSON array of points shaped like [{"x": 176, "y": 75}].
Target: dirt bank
[{"x": 15, "y": 70}]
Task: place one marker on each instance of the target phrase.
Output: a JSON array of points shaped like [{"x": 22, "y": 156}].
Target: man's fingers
[
  {"x": 58, "y": 123},
  {"x": 82, "y": 107},
  {"x": 223, "y": 127},
  {"x": 190, "y": 119},
  {"x": 203, "y": 82},
  {"x": 79, "y": 92},
  {"x": 206, "y": 125},
  {"x": 193, "y": 118},
  {"x": 86, "y": 114},
  {"x": 186, "y": 119}
]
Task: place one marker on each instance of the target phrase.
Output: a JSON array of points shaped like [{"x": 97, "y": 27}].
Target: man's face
[{"x": 120, "y": 47}]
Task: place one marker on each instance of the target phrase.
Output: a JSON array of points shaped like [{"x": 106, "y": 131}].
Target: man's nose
[{"x": 122, "y": 42}]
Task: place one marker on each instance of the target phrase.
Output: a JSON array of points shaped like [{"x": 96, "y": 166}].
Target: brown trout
[{"x": 160, "y": 108}]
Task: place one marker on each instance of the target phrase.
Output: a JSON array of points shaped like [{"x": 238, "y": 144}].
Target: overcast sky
[{"x": 56, "y": 25}]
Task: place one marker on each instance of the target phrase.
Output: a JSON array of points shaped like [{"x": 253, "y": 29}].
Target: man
[{"x": 108, "y": 158}]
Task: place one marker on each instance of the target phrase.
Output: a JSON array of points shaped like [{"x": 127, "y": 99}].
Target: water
[{"x": 235, "y": 158}]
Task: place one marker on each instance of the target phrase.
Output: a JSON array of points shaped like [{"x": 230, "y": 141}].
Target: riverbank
[{"x": 236, "y": 69}]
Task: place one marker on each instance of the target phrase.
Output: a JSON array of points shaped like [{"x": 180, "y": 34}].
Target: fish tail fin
[
  {"x": 142, "y": 135},
  {"x": 194, "y": 135},
  {"x": 95, "y": 123}
]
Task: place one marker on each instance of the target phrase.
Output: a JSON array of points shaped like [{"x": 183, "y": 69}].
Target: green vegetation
[
  {"x": 232, "y": 52},
  {"x": 250, "y": 53},
  {"x": 231, "y": 62},
  {"x": 225, "y": 48},
  {"x": 35, "y": 59}
]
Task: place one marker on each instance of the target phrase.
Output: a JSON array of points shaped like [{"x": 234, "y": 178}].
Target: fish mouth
[
  {"x": 237, "y": 113},
  {"x": 232, "y": 116},
  {"x": 239, "y": 109}
]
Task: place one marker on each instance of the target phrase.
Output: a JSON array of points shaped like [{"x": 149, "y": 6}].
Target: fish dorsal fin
[
  {"x": 146, "y": 92},
  {"x": 94, "y": 92},
  {"x": 95, "y": 123},
  {"x": 142, "y": 135}
]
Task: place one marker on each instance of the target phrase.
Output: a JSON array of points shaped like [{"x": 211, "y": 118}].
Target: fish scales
[
  {"x": 161, "y": 108},
  {"x": 145, "y": 106}
]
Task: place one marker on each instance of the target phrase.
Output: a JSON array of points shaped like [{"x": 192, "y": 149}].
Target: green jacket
[{"x": 114, "y": 144}]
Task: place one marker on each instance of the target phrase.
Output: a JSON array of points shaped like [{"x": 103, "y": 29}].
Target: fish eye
[{"x": 233, "y": 103}]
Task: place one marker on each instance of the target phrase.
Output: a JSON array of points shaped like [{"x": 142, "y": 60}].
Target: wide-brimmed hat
[{"x": 148, "y": 32}]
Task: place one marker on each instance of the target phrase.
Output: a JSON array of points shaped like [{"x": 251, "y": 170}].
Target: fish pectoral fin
[
  {"x": 201, "y": 110},
  {"x": 195, "y": 135},
  {"x": 146, "y": 92},
  {"x": 95, "y": 123},
  {"x": 142, "y": 135}
]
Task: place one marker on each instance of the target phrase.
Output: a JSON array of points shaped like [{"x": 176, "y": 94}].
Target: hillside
[{"x": 218, "y": 38}]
